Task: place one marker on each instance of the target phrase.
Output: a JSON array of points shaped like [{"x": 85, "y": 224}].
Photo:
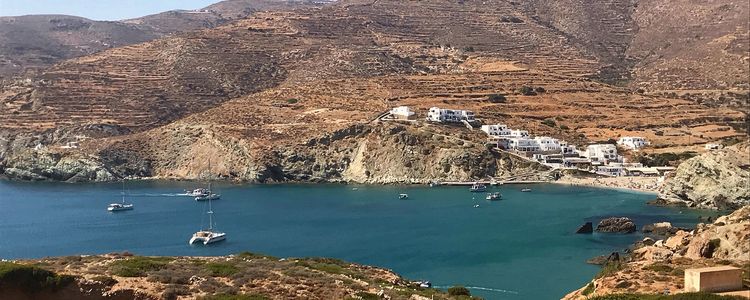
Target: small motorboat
[
  {"x": 478, "y": 188},
  {"x": 476, "y": 205},
  {"x": 424, "y": 284},
  {"x": 197, "y": 192},
  {"x": 525, "y": 190},
  {"x": 403, "y": 196},
  {"x": 493, "y": 196}
]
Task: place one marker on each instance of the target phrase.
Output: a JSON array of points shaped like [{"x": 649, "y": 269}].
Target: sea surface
[{"x": 521, "y": 247}]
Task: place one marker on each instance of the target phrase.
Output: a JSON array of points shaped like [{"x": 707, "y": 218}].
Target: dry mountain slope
[
  {"x": 303, "y": 79},
  {"x": 34, "y": 42}
]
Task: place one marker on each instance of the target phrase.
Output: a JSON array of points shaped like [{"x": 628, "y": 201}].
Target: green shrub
[
  {"x": 564, "y": 127},
  {"x": 526, "y": 91},
  {"x": 469, "y": 49},
  {"x": 137, "y": 266},
  {"x": 540, "y": 90},
  {"x": 496, "y": 98},
  {"x": 610, "y": 269},
  {"x": 221, "y": 269},
  {"x": 549, "y": 122},
  {"x": 251, "y": 255},
  {"x": 458, "y": 291},
  {"x": 292, "y": 100},
  {"x": 589, "y": 289},
  {"x": 31, "y": 278}
]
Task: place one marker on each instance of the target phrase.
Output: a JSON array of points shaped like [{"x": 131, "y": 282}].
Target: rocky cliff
[
  {"x": 365, "y": 153},
  {"x": 716, "y": 180},
  {"x": 654, "y": 267}
]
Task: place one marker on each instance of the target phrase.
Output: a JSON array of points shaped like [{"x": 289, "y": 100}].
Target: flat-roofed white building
[
  {"x": 518, "y": 133},
  {"x": 523, "y": 144},
  {"x": 601, "y": 153},
  {"x": 500, "y": 130},
  {"x": 632, "y": 142},
  {"x": 548, "y": 144},
  {"x": 442, "y": 115},
  {"x": 568, "y": 149},
  {"x": 403, "y": 113}
]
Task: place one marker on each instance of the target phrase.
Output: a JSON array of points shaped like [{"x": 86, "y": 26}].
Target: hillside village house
[
  {"x": 499, "y": 130},
  {"x": 632, "y": 142},
  {"x": 523, "y": 144},
  {"x": 403, "y": 113},
  {"x": 450, "y": 115},
  {"x": 548, "y": 144},
  {"x": 601, "y": 153}
]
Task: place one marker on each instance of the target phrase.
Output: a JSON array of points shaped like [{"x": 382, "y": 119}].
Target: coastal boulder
[
  {"x": 616, "y": 225},
  {"x": 586, "y": 228},
  {"x": 661, "y": 229}
]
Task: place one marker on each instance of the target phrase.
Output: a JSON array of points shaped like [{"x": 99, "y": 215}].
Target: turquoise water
[{"x": 522, "y": 247}]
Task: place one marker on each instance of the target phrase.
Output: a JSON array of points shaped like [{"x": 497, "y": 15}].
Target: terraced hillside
[
  {"x": 34, "y": 42},
  {"x": 294, "y": 95}
]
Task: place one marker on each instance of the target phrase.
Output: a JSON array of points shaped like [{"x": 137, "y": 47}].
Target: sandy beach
[{"x": 640, "y": 184}]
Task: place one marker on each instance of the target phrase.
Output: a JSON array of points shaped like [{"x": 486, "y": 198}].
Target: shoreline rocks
[
  {"x": 616, "y": 225},
  {"x": 586, "y": 228}
]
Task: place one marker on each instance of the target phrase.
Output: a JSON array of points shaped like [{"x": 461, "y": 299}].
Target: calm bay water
[{"x": 521, "y": 247}]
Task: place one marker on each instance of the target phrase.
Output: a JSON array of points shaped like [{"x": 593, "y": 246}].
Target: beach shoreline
[{"x": 646, "y": 185}]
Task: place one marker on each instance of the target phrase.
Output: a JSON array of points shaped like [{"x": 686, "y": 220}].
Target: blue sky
[{"x": 97, "y": 9}]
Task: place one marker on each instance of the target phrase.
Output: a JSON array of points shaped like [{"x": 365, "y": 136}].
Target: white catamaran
[
  {"x": 115, "y": 207},
  {"x": 208, "y": 236}
]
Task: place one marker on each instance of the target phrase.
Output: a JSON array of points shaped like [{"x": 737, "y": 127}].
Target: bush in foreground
[
  {"x": 459, "y": 291},
  {"x": 137, "y": 266},
  {"x": 30, "y": 278}
]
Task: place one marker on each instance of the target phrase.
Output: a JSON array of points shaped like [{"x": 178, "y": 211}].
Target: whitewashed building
[
  {"x": 450, "y": 115},
  {"x": 568, "y": 149},
  {"x": 523, "y": 144},
  {"x": 403, "y": 113},
  {"x": 497, "y": 130},
  {"x": 517, "y": 133},
  {"x": 548, "y": 144},
  {"x": 602, "y": 153},
  {"x": 632, "y": 142}
]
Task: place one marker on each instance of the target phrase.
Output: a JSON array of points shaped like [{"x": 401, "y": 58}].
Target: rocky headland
[
  {"x": 242, "y": 276},
  {"x": 715, "y": 180}
]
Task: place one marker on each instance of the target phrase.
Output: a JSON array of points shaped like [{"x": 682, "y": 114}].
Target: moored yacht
[
  {"x": 197, "y": 192},
  {"x": 114, "y": 207},
  {"x": 207, "y": 195},
  {"x": 209, "y": 235}
]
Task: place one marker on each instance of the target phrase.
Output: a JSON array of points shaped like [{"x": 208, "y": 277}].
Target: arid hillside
[
  {"x": 288, "y": 78},
  {"x": 33, "y": 42}
]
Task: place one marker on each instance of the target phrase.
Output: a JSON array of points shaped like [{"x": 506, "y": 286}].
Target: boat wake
[
  {"x": 482, "y": 289},
  {"x": 162, "y": 195}
]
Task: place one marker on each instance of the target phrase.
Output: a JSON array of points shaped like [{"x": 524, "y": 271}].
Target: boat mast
[
  {"x": 210, "y": 215},
  {"x": 123, "y": 191}
]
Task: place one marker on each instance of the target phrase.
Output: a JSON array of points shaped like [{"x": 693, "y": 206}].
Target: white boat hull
[
  {"x": 209, "y": 197},
  {"x": 208, "y": 239},
  {"x": 120, "y": 208}
]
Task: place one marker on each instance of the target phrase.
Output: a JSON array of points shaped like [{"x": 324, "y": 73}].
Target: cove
[{"x": 521, "y": 247}]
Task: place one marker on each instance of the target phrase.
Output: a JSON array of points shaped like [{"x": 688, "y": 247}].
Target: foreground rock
[
  {"x": 714, "y": 180},
  {"x": 659, "y": 267},
  {"x": 132, "y": 277},
  {"x": 616, "y": 225}
]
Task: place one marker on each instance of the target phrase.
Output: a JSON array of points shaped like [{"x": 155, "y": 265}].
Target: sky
[{"x": 109, "y": 10}]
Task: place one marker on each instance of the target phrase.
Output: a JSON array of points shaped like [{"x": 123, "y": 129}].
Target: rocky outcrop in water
[
  {"x": 586, "y": 228},
  {"x": 715, "y": 180},
  {"x": 616, "y": 225}
]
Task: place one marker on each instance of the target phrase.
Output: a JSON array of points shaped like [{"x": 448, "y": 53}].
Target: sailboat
[
  {"x": 208, "y": 236},
  {"x": 115, "y": 207}
]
